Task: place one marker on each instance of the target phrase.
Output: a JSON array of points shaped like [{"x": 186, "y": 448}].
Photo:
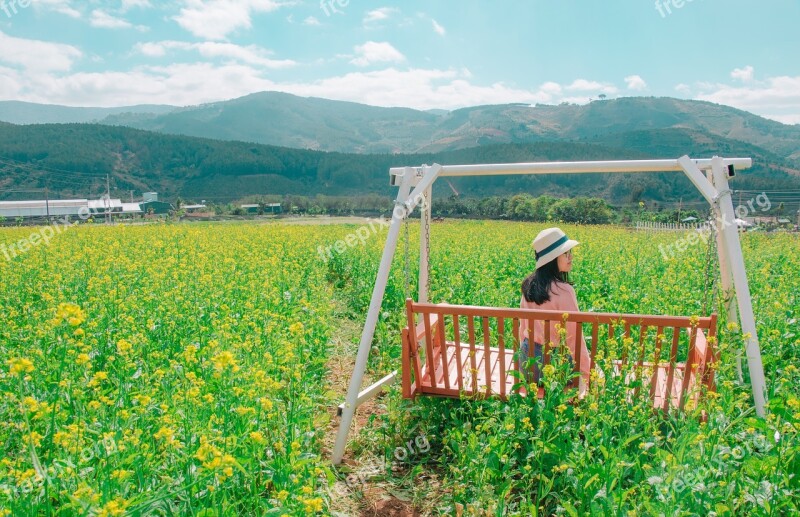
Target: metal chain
[
  {"x": 427, "y": 229},
  {"x": 711, "y": 251},
  {"x": 407, "y": 266}
]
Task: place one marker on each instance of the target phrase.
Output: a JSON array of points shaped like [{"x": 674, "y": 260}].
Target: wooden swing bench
[{"x": 468, "y": 351}]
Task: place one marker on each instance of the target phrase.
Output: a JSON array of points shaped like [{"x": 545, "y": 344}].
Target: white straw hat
[{"x": 551, "y": 243}]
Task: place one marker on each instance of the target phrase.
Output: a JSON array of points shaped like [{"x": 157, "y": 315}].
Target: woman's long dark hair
[{"x": 536, "y": 287}]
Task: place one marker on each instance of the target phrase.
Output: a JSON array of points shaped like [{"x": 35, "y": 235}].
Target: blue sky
[{"x": 422, "y": 54}]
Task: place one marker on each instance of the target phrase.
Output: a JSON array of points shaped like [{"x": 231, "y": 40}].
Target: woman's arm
[{"x": 569, "y": 302}]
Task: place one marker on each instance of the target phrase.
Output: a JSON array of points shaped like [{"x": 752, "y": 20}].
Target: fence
[{"x": 650, "y": 226}]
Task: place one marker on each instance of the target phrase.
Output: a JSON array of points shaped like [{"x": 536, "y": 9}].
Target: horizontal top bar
[
  {"x": 556, "y": 316},
  {"x": 624, "y": 166}
]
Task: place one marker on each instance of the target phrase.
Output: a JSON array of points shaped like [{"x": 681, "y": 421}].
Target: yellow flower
[
  {"x": 121, "y": 475},
  {"x": 225, "y": 360},
  {"x": 97, "y": 379},
  {"x": 190, "y": 354},
  {"x": 33, "y": 438},
  {"x": 123, "y": 347},
  {"x": 31, "y": 404},
  {"x": 70, "y": 313},
  {"x": 20, "y": 365},
  {"x": 258, "y": 437},
  {"x": 549, "y": 370},
  {"x": 313, "y": 505},
  {"x": 243, "y": 411},
  {"x": 167, "y": 435},
  {"x": 113, "y": 508}
]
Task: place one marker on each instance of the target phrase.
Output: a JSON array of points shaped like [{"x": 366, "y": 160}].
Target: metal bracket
[{"x": 720, "y": 194}]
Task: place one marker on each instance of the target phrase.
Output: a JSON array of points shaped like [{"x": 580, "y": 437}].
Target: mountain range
[
  {"x": 281, "y": 119},
  {"x": 276, "y": 143}
]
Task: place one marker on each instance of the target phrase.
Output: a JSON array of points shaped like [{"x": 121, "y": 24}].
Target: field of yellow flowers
[
  {"x": 163, "y": 370},
  {"x": 182, "y": 370},
  {"x": 604, "y": 456}
]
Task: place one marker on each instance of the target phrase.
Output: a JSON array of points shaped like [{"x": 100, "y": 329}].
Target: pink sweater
[{"x": 562, "y": 298}]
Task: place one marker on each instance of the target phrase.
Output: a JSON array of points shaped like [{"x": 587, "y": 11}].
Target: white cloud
[
  {"x": 582, "y": 85},
  {"x": 127, "y": 5},
  {"x": 59, "y": 6},
  {"x": 215, "y": 19},
  {"x": 438, "y": 28},
  {"x": 743, "y": 74},
  {"x": 551, "y": 88},
  {"x": 683, "y": 89},
  {"x": 197, "y": 83},
  {"x": 37, "y": 55},
  {"x": 374, "y": 52},
  {"x": 103, "y": 20},
  {"x": 250, "y": 54},
  {"x": 379, "y": 15},
  {"x": 311, "y": 21},
  {"x": 777, "y": 98},
  {"x": 635, "y": 82}
]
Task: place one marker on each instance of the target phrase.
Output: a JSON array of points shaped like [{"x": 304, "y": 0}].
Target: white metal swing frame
[{"x": 710, "y": 176}]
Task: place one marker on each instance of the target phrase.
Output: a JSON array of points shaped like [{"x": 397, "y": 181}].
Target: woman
[{"x": 548, "y": 288}]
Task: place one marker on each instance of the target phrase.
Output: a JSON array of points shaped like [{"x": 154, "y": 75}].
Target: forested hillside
[{"x": 73, "y": 160}]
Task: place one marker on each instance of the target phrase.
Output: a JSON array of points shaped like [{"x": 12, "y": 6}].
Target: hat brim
[{"x": 556, "y": 252}]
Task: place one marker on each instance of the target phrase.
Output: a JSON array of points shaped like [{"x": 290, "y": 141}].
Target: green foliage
[{"x": 72, "y": 160}]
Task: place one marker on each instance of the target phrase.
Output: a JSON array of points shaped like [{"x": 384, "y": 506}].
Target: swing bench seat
[{"x": 471, "y": 352}]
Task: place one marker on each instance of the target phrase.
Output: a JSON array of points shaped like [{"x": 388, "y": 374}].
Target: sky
[{"x": 433, "y": 54}]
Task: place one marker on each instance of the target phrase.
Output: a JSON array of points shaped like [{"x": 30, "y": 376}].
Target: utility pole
[
  {"x": 47, "y": 203},
  {"x": 108, "y": 200},
  {"x": 131, "y": 196}
]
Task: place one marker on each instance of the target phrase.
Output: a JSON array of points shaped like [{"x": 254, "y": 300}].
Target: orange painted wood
[
  {"x": 545, "y": 344},
  {"x": 673, "y": 357},
  {"x": 502, "y": 353},
  {"x": 593, "y": 353},
  {"x": 431, "y": 358},
  {"x": 578, "y": 346},
  {"x": 442, "y": 350},
  {"x": 459, "y": 358},
  {"x": 656, "y": 359},
  {"x": 473, "y": 352},
  {"x": 691, "y": 361},
  {"x": 487, "y": 353},
  {"x": 449, "y": 360},
  {"x": 406, "y": 358}
]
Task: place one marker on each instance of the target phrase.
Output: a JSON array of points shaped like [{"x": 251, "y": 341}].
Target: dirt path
[{"x": 361, "y": 493}]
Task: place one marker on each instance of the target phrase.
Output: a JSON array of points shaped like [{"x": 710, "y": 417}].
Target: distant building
[
  {"x": 155, "y": 207},
  {"x": 43, "y": 208},
  {"x": 193, "y": 209},
  {"x": 131, "y": 209},
  {"x": 105, "y": 206},
  {"x": 268, "y": 208},
  {"x": 150, "y": 196}
]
